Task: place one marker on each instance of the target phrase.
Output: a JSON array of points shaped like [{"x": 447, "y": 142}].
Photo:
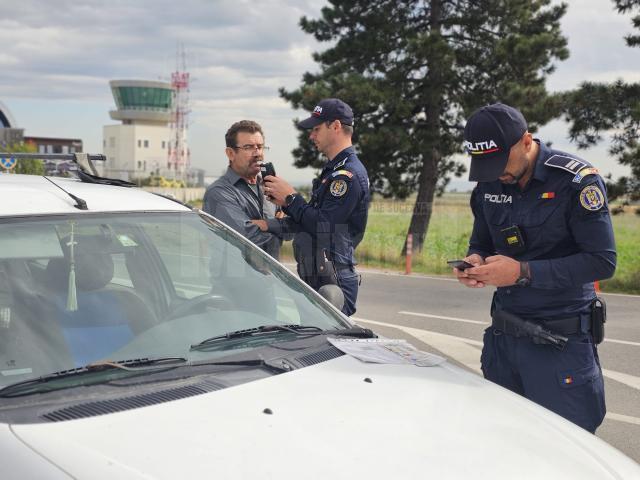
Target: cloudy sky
[{"x": 57, "y": 57}]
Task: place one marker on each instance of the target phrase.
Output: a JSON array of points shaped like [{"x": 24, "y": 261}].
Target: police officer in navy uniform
[
  {"x": 331, "y": 225},
  {"x": 542, "y": 235}
]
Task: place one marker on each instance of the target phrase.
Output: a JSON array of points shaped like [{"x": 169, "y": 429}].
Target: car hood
[{"x": 338, "y": 419}]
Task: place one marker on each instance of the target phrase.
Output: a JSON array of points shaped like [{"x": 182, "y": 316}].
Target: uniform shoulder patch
[
  {"x": 346, "y": 173},
  {"x": 565, "y": 162},
  {"x": 340, "y": 163},
  {"x": 583, "y": 173},
  {"x": 591, "y": 198},
  {"x": 338, "y": 188}
]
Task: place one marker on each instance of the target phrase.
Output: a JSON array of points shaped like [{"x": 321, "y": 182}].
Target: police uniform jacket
[
  {"x": 336, "y": 215},
  {"x": 563, "y": 230}
]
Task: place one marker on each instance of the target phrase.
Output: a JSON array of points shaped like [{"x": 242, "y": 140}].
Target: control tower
[{"x": 139, "y": 145}]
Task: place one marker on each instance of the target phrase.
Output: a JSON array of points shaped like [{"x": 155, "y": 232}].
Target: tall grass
[
  {"x": 448, "y": 236},
  {"x": 626, "y": 227}
]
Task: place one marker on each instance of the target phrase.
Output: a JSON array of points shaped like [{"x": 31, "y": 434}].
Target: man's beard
[{"x": 515, "y": 178}]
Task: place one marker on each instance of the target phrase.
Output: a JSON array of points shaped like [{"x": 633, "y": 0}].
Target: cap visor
[
  {"x": 310, "y": 122},
  {"x": 485, "y": 169}
]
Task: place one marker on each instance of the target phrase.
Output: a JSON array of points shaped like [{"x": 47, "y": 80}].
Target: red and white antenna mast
[{"x": 179, "y": 154}]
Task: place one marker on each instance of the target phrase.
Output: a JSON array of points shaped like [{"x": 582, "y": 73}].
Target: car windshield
[{"x": 81, "y": 289}]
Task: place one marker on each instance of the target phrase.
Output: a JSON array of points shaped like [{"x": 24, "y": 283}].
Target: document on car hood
[{"x": 383, "y": 350}]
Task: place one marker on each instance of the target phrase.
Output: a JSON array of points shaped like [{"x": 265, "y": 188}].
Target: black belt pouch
[{"x": 598, "y": 319}]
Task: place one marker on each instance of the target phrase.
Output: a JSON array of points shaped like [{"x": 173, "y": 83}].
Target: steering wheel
[{"x": 203, "y": 301}]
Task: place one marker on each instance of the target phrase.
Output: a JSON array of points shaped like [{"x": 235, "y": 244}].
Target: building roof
[{"x": 6, "y": 119}]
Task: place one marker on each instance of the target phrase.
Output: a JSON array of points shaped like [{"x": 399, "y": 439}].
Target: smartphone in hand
[{"x": 459, "y": 264}]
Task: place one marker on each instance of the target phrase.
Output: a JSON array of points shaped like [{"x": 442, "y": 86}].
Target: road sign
[{"x": 8, "y": 163}]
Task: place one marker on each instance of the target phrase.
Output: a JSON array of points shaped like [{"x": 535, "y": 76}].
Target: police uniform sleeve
[
  {"x": 592, "y": 231},
  {"x": 283, "y": 227},
  {"x": 480, "y": 241},
  {"x": 344, "y": 194},
  {"x": 223, "y": 205}
]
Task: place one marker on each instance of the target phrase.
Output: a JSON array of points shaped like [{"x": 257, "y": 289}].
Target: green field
[{"x": 448, "y": 235}]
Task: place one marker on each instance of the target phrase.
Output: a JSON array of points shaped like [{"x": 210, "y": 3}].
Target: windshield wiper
[
  {"x": 257, "y": 362},
  {"x": 136, "y": 362},
  {"x": 41, "y": 383},
  {"x": 304, "y": 330},
  {"x": 248, "y": 332}
]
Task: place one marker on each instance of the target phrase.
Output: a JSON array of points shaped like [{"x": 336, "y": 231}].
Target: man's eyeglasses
[{"x": 251, "y": 148}]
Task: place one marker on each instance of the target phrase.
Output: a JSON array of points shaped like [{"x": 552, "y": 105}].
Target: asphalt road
[{"x": 439, "y": 315}]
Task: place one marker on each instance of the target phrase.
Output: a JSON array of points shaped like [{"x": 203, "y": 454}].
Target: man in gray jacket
[{"x": 237, "y": 197}]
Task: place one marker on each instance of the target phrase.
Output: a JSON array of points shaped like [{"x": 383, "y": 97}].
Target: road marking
[
  {"x": 467, "y": 352},
  {"x": 623, "y": 342},
  {"x": 450, "y": 279},
  {"x": 442, "y": 278},
  {"x": 416, "y": 314},
  {"x": 477, "y": 322},
  {"x": 461, "y": 349},
  {"x": 628, "y": 295},
  {"x": 622, "y": 418},
  {"x": 404, "y": 275},
  {"x": 629, "y": 380},
  {"x": 373, "y": 271}
]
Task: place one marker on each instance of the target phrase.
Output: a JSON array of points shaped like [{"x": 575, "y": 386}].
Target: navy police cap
[
  {"x": 489, "y": 134},
  {"x": 328, "y": 110}
]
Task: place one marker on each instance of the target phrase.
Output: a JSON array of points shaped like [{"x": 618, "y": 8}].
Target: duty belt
[
  {"x": 343, "y": 266},
  {"x": 565, "y": 326}
]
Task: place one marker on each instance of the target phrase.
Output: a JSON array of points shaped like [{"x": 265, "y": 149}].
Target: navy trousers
[{"x": 568, "y": 382}]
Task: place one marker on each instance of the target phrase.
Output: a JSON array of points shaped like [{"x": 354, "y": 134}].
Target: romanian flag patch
[{"x": 547, "y": 195}]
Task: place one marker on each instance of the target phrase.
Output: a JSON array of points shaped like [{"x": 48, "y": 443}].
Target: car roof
[{"x": 37, "y": 195}]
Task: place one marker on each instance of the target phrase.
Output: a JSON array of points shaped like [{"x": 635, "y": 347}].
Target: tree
[
  {"x": 595, "y": 108},
  {"x": 413, "y": 70},
  {"x": 26, "y": 166}
]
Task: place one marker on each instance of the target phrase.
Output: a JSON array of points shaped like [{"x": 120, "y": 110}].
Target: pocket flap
[
  {"x": 539, "y": 214},
  {"x": 579, "y": 376}
]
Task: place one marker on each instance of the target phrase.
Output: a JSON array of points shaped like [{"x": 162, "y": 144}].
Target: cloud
[
  {"x": 598, "y": 52},
  {"x": 58, "y": 56},
  {"x": 54, "y": 41}
]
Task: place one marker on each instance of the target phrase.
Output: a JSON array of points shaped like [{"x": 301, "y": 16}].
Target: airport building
[
  {"x": 9, "y": 133},
  {"x": 54, "y": 145},
  {"x": 139, "y": 146}
]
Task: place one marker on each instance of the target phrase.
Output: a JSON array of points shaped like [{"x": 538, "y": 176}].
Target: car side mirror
[{"x": 333, "y": 294}]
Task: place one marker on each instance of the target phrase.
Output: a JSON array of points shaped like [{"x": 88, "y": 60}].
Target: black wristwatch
[
  {"x": 524, "y": 280},
  {"x": 288, "y": 200}
]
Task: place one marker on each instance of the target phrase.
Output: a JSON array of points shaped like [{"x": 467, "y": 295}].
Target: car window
[
  {"x": 185, "y": 254},
  {"x": 95, "y": 287}
]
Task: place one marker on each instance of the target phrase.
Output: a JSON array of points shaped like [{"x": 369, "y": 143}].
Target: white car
[{"x": 142, "y": 339}]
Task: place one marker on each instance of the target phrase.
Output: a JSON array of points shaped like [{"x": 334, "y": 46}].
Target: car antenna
[{"x": 80, "y": 203}]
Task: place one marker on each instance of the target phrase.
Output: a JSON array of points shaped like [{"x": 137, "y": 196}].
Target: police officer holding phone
[
  {"x": 542, "y": 235},
  {"x": 331, "y": 224}
]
